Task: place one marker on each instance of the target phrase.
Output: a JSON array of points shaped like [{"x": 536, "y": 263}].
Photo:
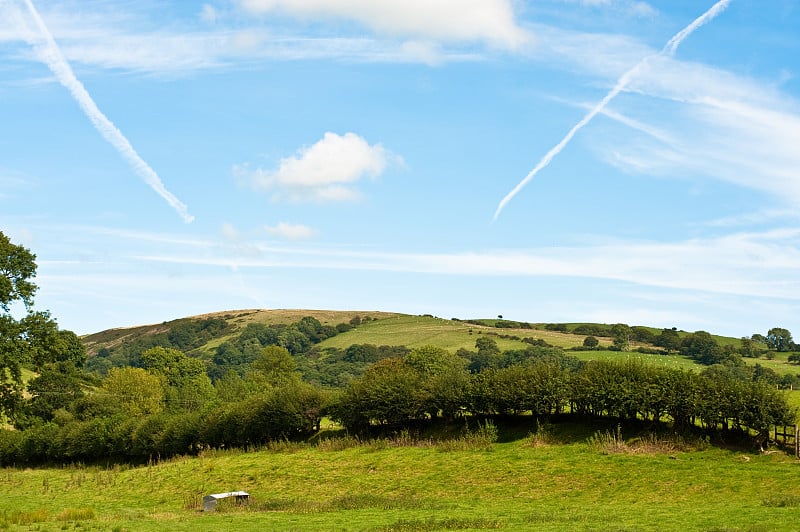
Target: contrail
[
  {"x": 668, "y": 50},
  {"x": 51, "y": 55}
]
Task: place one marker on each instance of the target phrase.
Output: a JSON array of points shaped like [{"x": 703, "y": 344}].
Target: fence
[{"x": 789, "y": 437}]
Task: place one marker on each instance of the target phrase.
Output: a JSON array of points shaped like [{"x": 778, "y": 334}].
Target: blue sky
[{"x": 165, "y": 159}]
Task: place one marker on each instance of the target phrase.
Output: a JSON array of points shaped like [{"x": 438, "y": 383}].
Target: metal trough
[{"x": 210, "y": 501}]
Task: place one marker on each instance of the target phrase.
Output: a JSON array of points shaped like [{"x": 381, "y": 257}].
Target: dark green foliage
[
  {"x": 621, "y": 336},
  {"x": 298, "y": 339},
  {"x": 591, "y": 342},
  {"x": 33, "y": 339},
  {"x": 702, "y": 347},
  {"x": 541, "y": 388},
  {"x": 780, "y": 339},
  {"x": 335, "y": 368},
  {"x": 642, "y": 334},
  {"x": 389, "y": 393},
  {"x": 56, "y": 387},
  {"x": 592, "y": 329},
  {"x": 669, "y": 339},
  {"x": 362, "y": 353},
  {"x": 183, "y": 335},
  {"x": 189, "y": 334}
]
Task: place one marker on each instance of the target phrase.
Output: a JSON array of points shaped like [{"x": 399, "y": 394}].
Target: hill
[
  {"x": 236, "y": 319},
  {"x": 201, "y": 336}
]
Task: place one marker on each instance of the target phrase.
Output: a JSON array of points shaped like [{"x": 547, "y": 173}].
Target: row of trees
[
  {"x": 165, "y": 402},
  {"x": 395, "y": 391},
  {"x": 168, "y": 407}
]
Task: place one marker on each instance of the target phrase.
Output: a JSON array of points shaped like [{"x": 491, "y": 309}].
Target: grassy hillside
[
  {"x": 237, "y": 319},
  {"x": 384, "y": 328},
  {"x": 556, "y": 481},
  {"x": 416, "y": 331}
]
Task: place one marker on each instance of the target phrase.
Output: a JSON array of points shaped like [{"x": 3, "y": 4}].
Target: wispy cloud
[
  {"x": 325, "y": 171},
  {"x": 756, "y": 264},
  {"x": 290, "y": 231},
  {"x": 632, "y": 7},
  {"x": 116, "y": 39},
  {"x": 490, "y": 21},
  {"x": 50, "y": 54},
  {"x": 668, "y": 50},
  {"x": 719, "y": 126}
]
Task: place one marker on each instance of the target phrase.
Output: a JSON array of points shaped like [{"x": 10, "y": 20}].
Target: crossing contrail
[
  {"x": 668, "y": 50},
  {"x": 49, "y": 53}
]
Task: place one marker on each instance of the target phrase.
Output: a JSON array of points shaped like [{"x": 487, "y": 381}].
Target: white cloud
[
  {"x": 755, "y": 264},
  {"x": 632, "y": 7},
  {"x": 490, "y": 21},
  {"x": 209, "y": 14},
  {"x": 686, "y": 119},
  {"x": 325, "y": 171},
  {"x": 116, "y": 39},
  {"x": 291, "y": 231},
  {"x": 717, "y": 125}
]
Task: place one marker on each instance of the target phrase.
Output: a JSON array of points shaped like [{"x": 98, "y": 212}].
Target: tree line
[
  {"x": 273, "y": 382},
  {"x": 171, "y": 407}
]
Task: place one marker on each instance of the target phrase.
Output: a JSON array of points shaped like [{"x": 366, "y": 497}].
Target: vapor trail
[
  {"x": 668, "y": 50},
  {"x": 51, "y": 55}
]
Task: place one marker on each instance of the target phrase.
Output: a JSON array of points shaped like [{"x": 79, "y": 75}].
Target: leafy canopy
[{"x": 31, "y": 340}]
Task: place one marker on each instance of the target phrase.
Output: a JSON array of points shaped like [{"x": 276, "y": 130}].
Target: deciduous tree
[{"x": 34, "y": 338}]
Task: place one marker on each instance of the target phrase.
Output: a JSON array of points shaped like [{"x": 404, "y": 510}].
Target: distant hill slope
[
  {"x": 201, "y": 335},
  {"x": 378, "y": 328},
  {"x": 236, "y": 319}
]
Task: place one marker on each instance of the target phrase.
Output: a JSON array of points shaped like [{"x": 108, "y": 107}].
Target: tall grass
[
  {"x": 545, "y": 477},
  {"x": 480, "y": 439}
]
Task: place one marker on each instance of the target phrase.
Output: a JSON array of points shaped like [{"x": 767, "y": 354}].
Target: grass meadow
[
  {"x": 417, "y": 331},
  {"x": 563, "y": 477}
]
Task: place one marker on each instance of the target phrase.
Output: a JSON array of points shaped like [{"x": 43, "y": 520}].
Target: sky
[{"x": 544, "y": 160}]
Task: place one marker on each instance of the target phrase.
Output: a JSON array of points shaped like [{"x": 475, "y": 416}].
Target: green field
[
  {"x": 556, "y": 482},
  {"x": 416, "y": 331}
]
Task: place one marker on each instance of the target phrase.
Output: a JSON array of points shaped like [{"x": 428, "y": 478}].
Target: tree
[
  {"x": 389, "y": 393},
  {"x": 134, "y": 391},
  {"x": 591, "y": 342},
  {"x": 488, "y": 355},
  {"x": 57, "y": 386},
  {"x": 779, "y": 339},
  {"x": 188, "y": 386},
  {"x": 702, "y": 347},
  {"x": 34, "y": 338},
  {"x": 177, "y": 368},
  {"x": 621, "y": 336},
  {"x": 445, "y": 379},
  {"x": 669, "y": 339},
  {"x": 274, "y": 367},
  {"x": 747, "y": 347}
]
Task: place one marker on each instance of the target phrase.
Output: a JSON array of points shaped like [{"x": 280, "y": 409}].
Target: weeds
[
  {"x": 339, "y": 444},
  {"x": 611, "y": 442},
  {"x": 481, "y": 439},
  {"x": 543, "y": 436},
  {"x": 360, "y": 501},
  {"x": 608, "y": 442},
  {"x": 75, "y": 514},
  {"x": 782, "y": 500},
  {"x": 449, "y": 523},
  {"x": 24, "y": 518}
]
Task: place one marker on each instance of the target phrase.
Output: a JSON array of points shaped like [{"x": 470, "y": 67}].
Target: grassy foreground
[{"x": 529, "y": 483}]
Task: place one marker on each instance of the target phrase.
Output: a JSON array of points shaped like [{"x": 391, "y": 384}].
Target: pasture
[{"x": 557, "y": 479}]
